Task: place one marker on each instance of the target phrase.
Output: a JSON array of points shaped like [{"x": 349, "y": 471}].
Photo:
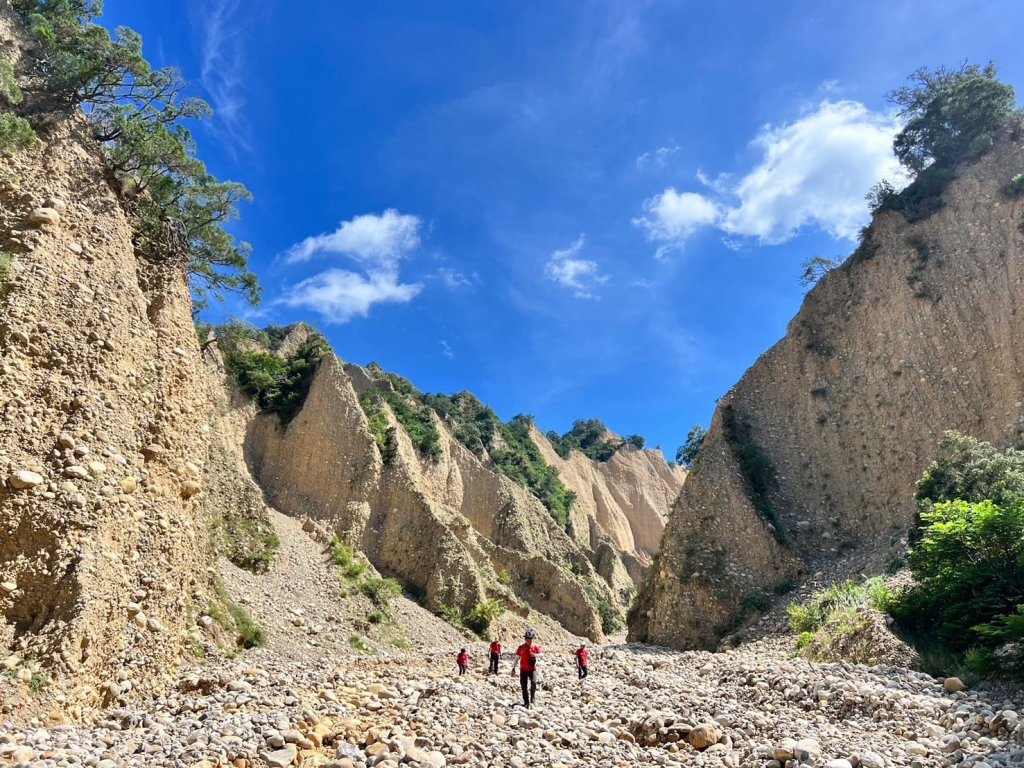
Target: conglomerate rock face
[
  {"x": 109, "y": 460},
  {"x": 918, "y": 334}
]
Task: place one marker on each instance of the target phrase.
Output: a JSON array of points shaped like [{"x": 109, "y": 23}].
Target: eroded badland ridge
[{"x": 918, "y": 333}]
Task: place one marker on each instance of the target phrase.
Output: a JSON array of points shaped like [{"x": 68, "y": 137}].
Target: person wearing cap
[
  {"x": 495, "y": 653},
  {"x": 526, "y": 660},
  {"x": 582, "y": 658},
  {"x": 463, "y": 661}
]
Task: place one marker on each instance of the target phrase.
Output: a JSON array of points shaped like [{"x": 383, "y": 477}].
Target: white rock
[{"x": 22, "y": 479}]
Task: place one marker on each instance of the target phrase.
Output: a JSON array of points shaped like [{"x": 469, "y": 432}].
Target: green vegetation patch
[
  {"x": 409, "y": 408},
  {"x": 277, "y": 385},
  {"x": 520, "y": 460},
  {"x": 247, "y": 543},
  {"x": 757, "y": 469},
  {"x": 590, "y": 437},
  {"x": 231, "y": 615}
]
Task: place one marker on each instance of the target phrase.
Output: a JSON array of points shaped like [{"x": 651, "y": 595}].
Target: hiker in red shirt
[
  {"x": 582, "y": 657},
  {"x": 495, "y": 656},
  {"x": 526, "y": 660},
  {"x": 463, "y": 661}
]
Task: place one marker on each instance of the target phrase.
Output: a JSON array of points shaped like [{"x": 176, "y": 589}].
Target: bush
[
  {"x": 276, "y": 385},
  {"x": 950, "y": 114},
  {"x": 246, "y": 542},
  {"x": 407, "y": 405},
  {"x": 590, "y": 437},
  {"x": 249, "y": 633},
  {"x": 812, "y": 615},
  {"x": 969, "y": 568},
  {"x": 972, "y": 470},
  {"x": 382, "y": 592},
  {"x": 611, "y": 619},
  {"x": 479, "y": 619},
  {"x": 689, "y": 451},
  {"x": 358, "y": 643},
  {"x": 450, "y": 614}
]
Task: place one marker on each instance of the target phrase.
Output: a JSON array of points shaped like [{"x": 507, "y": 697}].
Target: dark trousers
[
  {"x": 494, "y": 664},
  {"x": 582, "y": 669},
  {"x": 462, "y": 669},
  {"x": 528, "y": 680}
]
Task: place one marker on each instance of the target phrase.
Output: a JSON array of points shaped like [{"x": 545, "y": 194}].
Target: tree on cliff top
[
  {"x": 951, "y": 114},
  {"x": 137, "y": 113}
]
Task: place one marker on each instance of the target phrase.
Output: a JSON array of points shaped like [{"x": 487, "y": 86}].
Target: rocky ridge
[
  {"x": 917, "y": 333},
  {"x": 489, "y": 537}
]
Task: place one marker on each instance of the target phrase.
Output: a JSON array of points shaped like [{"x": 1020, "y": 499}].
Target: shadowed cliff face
[
  {"x": 451, "y": 528},
  {"x": 889, "y": 351}
]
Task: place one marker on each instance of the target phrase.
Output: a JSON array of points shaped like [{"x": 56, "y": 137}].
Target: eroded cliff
[
  {"x": 813, "y": 455},
  {"x": 450, "y": 527}
]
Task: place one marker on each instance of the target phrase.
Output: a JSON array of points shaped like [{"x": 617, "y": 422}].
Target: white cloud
[
  {"x": 656, "y": 157},
  {"x": 339, "y": 295},
  {"x": 376, "y": 241},
  {"x": 672, "y": 217},
  {"x": 446, "y": 349},
  {"x": 222, "y": 69},
  {"x": 581, "y": 275},
  {"x": 452, "y": 278},
  {"x": 813, "y": 172}
]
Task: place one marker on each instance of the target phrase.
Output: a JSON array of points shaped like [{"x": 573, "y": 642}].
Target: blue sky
[{"x": 572, "y": 209}]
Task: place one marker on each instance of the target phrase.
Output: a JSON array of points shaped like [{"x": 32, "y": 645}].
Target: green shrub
[
  {"x": 38, "y": 681},
  {"x": 972, "y": 470},
  {"x": 248, "y": 543},
  {"x": 688, "y": 452},
  {"x": 381, "y": 592},
  {"x": 231, "y": 615},
  {"x": 812, "y": 615},
  {"x": 276, "y": 385},
  {"x": 415, "y": 417},
  {"x": 451, "y": 614},
  {"x": 1017, "y": 185},
  {"x": 504, "y": 577},
  {"x": 969, "y": 569},
  {"x": 611, "y": 619},
  {"x": 339, "y": 552},
  {"x": 16, "y": 133},
  {"x": 479, "y": 619},
  {"x": 755, "y": 602},
  {"x": 354, "y": 570},
  {"x": 377, "y": 617},
  {"x": 590, "y": 437},
  {"x": 358, "y": 643}
]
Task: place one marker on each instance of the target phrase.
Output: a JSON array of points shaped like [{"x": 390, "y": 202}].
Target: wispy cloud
[
  {"x": 580, "y": 275},
  {"x": 378, "y": 243},
  {"x": 222, "y": 68},
  {"x": 446, "y": 349},
  {"x": 814, "y": 171},
  {"x": 453, "y": 279},
  {"x": 656, "y": 158}
]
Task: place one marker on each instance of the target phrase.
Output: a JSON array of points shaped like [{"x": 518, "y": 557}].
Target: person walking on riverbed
[
  {"x": 582, "y": 659},
  {"x": 526, "y": 660},
  {"x": 463, "y": 661},
  {"x": 495, "y": 657}
]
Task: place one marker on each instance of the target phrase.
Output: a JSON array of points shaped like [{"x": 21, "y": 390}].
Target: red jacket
[
  {"x": 462, "y": 659},
  {"x": 496, "y": 647},
  {"x": 582, "y": 654},
  {"x": 527, "y": 653}
]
